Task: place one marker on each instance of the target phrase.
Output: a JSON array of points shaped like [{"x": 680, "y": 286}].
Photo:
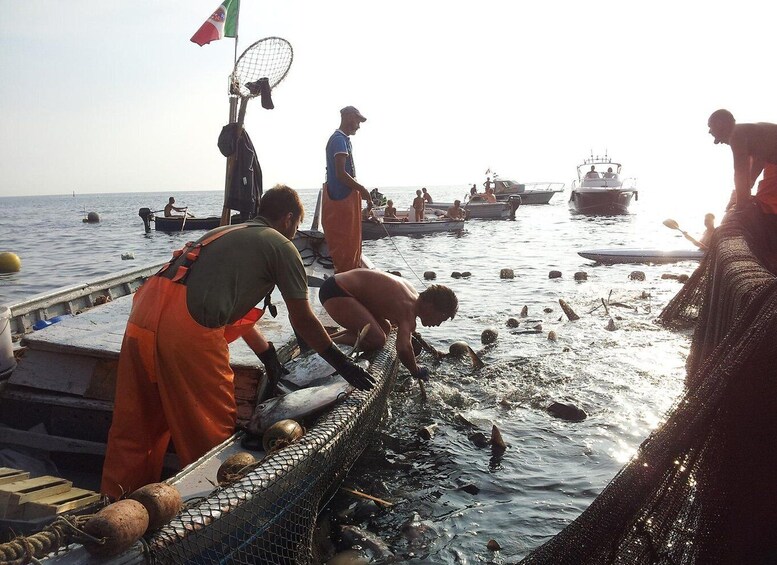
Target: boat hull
[
  {"x": 641, "y": 256},
  {"x": 485, "y": 210},
  {"x": 377, "y": 230},
  {"x": 601, "y": 202},
  {"x": 172, "y": 224}
]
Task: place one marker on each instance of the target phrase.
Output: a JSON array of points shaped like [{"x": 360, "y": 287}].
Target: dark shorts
[{"x": 330, "y": 289}]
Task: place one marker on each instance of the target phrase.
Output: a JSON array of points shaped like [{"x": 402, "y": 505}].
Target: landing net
[
  {"x": 269, "y": 515},
  {"x": 701, "y": 488}
]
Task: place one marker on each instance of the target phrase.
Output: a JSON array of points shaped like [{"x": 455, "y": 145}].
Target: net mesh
[
  {"x": 700, "y": 489},
  {"x": 269, "y": 58},
  {"x": 269, "y": 515}
]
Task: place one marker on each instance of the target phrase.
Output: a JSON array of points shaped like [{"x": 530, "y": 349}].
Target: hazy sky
[{"x": 113, "y": 97}]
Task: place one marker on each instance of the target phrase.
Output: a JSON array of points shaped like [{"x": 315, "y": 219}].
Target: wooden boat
[
  {"x": 180, "y": 223},
  {"x": 599, "y": 189},
  {"x": 58, "y": 403},
  {"x": 478, "y": 208},
  {"x": 377, "y": 228},
  {"x": 656, "y": 256}
]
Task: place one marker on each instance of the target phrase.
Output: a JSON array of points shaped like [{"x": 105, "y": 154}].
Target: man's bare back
[{"x": 384, "y": 295}]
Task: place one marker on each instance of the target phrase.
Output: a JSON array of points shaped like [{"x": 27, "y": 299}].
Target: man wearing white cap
[{"x": 341, "y": 216}]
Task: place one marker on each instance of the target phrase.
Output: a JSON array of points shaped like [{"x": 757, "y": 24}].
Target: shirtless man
[
  {"x": 489, "y": 196},
  {"x": 368, "y": 296},
  {"x": 427, "y": 196},
  {"x": 169, "y": 208},
  {"x": 418, "y": 206},
  {"x": 455, "y": 212},
  {"x": 754, "y": 147}
]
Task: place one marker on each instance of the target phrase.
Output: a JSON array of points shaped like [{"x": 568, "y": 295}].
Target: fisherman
[
  {"x": 369, "y": 296},
  {"x": 169, "y": 209},
  {"x": 341, "y": 207},
  {"x": 427, "y": 196},
  {"x": 174, "y": 380},
  {"x": 754, "y": 147},
  {"x": 455, "y": 212}
]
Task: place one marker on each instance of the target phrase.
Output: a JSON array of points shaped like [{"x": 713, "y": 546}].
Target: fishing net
[
  {"x": 701, "y": 488},
  {"x": 269, "y": 515}
]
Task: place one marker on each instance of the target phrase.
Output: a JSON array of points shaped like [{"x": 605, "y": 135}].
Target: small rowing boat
[
  {"x": 655, "y": 256},
  {"x": 377, "y": 228}
]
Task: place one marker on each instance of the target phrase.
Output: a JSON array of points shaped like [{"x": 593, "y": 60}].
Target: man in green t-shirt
[{"x": 174, "y": 380}]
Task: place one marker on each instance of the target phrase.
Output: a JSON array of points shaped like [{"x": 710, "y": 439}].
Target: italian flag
[{"x": 223, "y": 23}]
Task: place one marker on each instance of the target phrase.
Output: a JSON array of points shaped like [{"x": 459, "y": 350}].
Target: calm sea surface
[{"x": 624, "y": 379}]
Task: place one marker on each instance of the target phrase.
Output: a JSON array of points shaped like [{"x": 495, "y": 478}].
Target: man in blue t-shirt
[{"x": 341, "y": 215}]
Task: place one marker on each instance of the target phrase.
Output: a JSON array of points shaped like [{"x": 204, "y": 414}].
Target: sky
[{"x": 113, "y": 97}]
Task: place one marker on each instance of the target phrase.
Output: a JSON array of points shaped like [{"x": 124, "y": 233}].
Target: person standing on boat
[
  {"x": 174, "y": 380},
  {"x": 341, "y": 217},
  {"x": 383, "y": 300},
  {"x": 169, "y": 208},
  {"x": 419, "y": 205},
  {"x": 427, "y": 196}
]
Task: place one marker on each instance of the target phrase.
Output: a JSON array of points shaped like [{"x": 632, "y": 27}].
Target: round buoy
[
  {"x": 489, "y": 335},
  {"x": 92, "y": 218},
  {"x": 10, "y": 262}
]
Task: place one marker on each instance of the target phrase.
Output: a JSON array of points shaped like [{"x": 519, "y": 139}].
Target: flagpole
[{"x": 225, "y": 212}]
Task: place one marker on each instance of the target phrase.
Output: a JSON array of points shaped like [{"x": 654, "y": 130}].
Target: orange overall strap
[{"x": 192, "y": 251}]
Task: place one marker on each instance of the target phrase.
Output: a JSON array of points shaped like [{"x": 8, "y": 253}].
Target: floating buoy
[
  {"x": 281, "y": 434},
  {"x": 127, "y": 256},
  {"x": 513, "y": 323},
  {"x": 506, "y": 274},
  {"x": 456, "y": 275},
  {"x": 552, "y": 335},
  {"x": 581, "y": 276},
  {"x": 92, "y": 218},
  {"x": 10, "y": 262},
  {"x": 637, "y": 276},
  {"x": 489, "y": 335},
  {"x": 554, "y": 275},
  {"x": 430, "y": 275}
]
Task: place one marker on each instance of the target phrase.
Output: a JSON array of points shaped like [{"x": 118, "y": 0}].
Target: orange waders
[
  {"x": 342, "y": 221},
  {"x": 173, "y": 381}
]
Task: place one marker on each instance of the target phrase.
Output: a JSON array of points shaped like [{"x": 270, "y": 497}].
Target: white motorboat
[
  {"x": 529, "y": 192},
  {"x": 478, "y": 208},
  {"x": 599, "y": 188}
]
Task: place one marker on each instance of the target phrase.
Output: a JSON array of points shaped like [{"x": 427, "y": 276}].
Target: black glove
[
  {"x": 349, "y": 370},
  {"x": 422, "y": 374},
  {"x": 272, "y": 366}
]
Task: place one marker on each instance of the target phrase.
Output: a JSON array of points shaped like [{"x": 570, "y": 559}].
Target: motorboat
[
  {"x": 599, "y": 188},
  {"x": 477, "y": 208},
  {"x": 530, "y": 192}
]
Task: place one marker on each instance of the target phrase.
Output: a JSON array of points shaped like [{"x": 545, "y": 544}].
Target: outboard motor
[
  {"x": 146, "y": 215},
  {"x": 513, "y": 201}
]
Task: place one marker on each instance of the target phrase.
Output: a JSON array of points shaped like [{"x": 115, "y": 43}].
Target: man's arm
[
  {"x": 405, "y": 348},
  {"x": 348, "y": 180},
  {"x": 307, "y": 325},
  {"x": 743, "y": 182}
]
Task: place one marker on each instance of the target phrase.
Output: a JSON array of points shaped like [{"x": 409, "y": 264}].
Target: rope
[{"x": 391, "y": 239}]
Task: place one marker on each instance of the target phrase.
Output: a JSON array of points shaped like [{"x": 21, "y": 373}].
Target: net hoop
[{"x": 270, "y": 57}]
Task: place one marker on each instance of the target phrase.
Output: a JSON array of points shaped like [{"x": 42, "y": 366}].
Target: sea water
[{"x": 624, "y": 379}]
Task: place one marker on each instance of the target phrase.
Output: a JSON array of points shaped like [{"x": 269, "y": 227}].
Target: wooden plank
[
  {"x": 14, "y": 495},
  {"x": 72, "y": 375},
  {"x": 72, "y": 499},
  {"x": 8, "y": 475}
]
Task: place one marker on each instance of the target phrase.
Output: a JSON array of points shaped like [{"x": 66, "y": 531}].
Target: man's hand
[
  {"x": 272, "y": 365},
  {"x": 350, "y": 371}
]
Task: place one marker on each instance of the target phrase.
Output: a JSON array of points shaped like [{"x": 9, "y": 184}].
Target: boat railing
[{"x": 544, "y": 186}]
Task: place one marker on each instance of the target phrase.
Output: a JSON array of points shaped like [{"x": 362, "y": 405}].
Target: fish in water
[
  {"x": 297, "y": 404},
  {"x": 462, "y": 348},
  {"x": 367, "y": 541}
]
